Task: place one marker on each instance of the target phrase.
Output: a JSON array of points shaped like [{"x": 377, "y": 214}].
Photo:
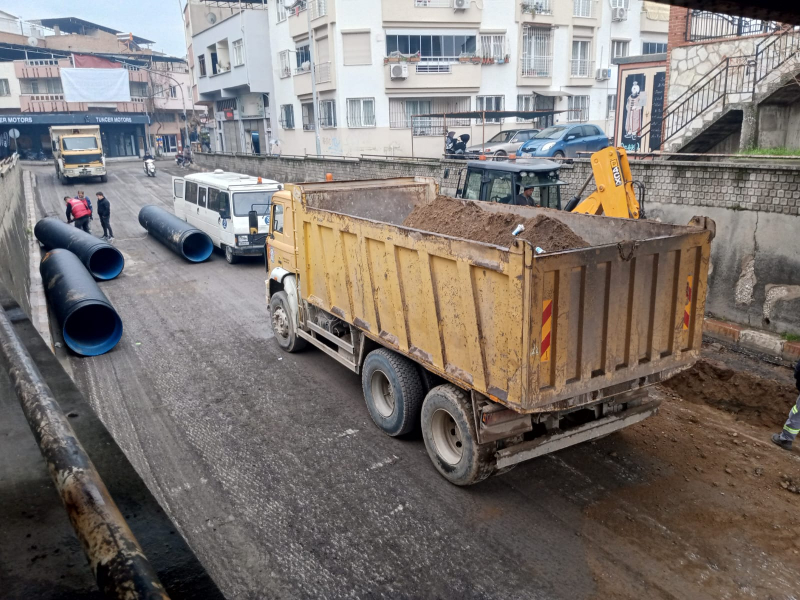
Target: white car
[{"x": 504, "y": 143}]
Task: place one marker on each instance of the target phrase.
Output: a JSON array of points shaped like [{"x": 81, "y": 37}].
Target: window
[
  {"x": 578, "y": 108},
  {"x": 224, "y": 205},
  {"x": 287, "y": 116},
  {"x": 537, "y": 52},
  {"x": 620, "y": 4},
  {"x": 327, "y": 114},
  {"x": 581, "y": 65},
  {"x": 201, "y": 62},
  {"x": 213, "y": 199},
  {"x": 178, "y": 187},
  {"x": 432, "y": 47},
  {"x": 500, "y": 187},
  {"x": 5, "y": 90},
  {"x": 583, "y": 8},
  {"x": 201, "y": 197},
  {"x": 309, "y": 123},
  {"x": 281, "y": 12},
  {"x": 173, "y": 91},
  {"x": 303, "y": 55},
  {"x": 401, "y": 112},
  {"x": 473, "y": 187},
  {"x": 45, "y": 86},
  {"x": 238, "y": 53},
  {"x": 285, "y": 64},
  {"x": 191, "y": 192},
  {"x": 277, "y": 218},
  {"x": 244, "y": 202},
  {"x": 490, "y": 103},
  {"x": 620, "y": 48},
  {"x": 493, "y": 46},
  {"x": 360, "y": 112},
  {"x": 357, "y": 48},
  {"x": 653, "y": 48},
  {"x": 611, "y": 106}
]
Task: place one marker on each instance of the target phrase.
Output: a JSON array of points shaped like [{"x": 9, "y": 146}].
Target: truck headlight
[
  {"x": 547, "y": 146},
  {"x": 243, "y": 240}
]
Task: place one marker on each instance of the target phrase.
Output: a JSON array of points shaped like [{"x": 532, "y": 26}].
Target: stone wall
[
  {"x": 755, "y": 277},
  {"x": 14, "y": 236}
]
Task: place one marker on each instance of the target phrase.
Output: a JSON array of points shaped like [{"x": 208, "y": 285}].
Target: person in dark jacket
[
  {"x": 104, "y": 212},
  {"x": 526, "y": 197},
  {"x": 78, "y": 211},
  {"x": 785, "y": 438}
]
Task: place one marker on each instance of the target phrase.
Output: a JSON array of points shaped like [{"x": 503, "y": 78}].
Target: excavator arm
[{"x": 615, "y": 195}]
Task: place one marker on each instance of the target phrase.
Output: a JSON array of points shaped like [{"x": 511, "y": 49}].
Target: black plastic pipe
[
  {"x": 89, "y": 324},
  {"x": 180, "y": 237},
  {"x": 102, "y": 259}
]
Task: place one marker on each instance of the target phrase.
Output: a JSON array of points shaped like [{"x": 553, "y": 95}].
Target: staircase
[{"x": 712, "y": 108}]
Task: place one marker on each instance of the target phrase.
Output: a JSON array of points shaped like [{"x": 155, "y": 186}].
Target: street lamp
[{"x": 290, "y": 5}]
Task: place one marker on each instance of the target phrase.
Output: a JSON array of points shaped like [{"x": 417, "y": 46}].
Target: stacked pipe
[
  {"x": 102, "y": 260},
  {"x": 180, "y": 237}
]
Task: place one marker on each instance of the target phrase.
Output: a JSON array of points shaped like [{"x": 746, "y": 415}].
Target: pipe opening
[
  {"x": 197, "y": 247},
  {"x": 92, "y": 330},
  {"x": 106, "y": 263}
]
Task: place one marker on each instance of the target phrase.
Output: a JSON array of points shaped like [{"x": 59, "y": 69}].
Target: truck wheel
[
  {"x": 283, "y": 325},
  {"x": 393, "y": 391},
  {"x": 103, "y": 178},
  {"x": 230, "y": 256},
  {"x": 62, "y": 178},
  {"x": 448, "y": 429}
]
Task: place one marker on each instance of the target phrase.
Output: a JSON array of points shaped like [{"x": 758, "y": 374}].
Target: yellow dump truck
[
  {"x": 501, "y": 354},
  {"x": 78, "y": 152}
]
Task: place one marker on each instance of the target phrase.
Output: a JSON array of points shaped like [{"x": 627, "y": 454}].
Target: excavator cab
[{"x": 502, "y": 182}]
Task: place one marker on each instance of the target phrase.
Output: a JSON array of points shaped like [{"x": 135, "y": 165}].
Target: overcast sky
[{"x": 157, "y": 20}]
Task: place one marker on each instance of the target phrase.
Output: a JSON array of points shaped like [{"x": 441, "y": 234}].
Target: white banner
[{"x": 96, "y": 85}]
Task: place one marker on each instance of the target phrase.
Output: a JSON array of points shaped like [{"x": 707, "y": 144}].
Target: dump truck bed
[{"x": 536, "y": 333}]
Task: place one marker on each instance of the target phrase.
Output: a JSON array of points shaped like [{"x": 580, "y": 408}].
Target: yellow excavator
[{"x": 616, "y": 193}]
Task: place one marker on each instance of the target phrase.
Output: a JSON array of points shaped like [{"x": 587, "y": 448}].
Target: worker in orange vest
[{"x": 78, "y": 211}]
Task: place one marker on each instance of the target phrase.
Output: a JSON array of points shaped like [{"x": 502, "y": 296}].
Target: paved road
[{"x": 273, "y": 471}]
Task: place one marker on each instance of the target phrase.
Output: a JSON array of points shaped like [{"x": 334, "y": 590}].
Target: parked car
[
  {"x": 504, "y": 143},
  {"x": 561, "y": 141}
]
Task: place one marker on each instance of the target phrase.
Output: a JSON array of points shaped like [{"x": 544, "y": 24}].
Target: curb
[
  {"x": 752, "y": 339},
  {"x": 39, "y": 313}
]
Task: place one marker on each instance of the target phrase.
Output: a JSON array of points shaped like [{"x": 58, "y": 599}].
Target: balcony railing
[
  {"x": 302, "y": 70},
  {"x": 323, "y": 72},
  {"x": 537, "y": 7},
  {"x": 581, "y": 68},
  {"x": 44, "y": 97},
  {"x": 433, "y": 3},
  {"x": 319, "y": 8},
  {"x": 537, "y": 66},
  {"x": 704, "y": 25},
  {"x": 584, "y": 8}
]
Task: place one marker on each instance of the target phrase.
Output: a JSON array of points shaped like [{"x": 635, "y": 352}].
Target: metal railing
[
  {"x": 537, "y": 66},
  {"x": 704, "y": 25},
  {"x": 537, "y": 7},
  {"x": 580, "y": 67},
  {"x": 322, "y": 72},
  {"x": 433, "y": 3},
  {"x": 319, "y": 8}
]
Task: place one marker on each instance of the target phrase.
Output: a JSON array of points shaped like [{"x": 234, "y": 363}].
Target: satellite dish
[
  {"x": 211, "y": 18},
  {"x": 289, "y": 4},
  {"x": 32, "y": 41}
]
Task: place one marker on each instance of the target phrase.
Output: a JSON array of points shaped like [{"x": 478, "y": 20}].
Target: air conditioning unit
[
  {"x": 619, "y": 14},
  {"x": 461, "y": 4},
  {"x": 398, "y": 71},
  {"x": 603, "y": 74}
]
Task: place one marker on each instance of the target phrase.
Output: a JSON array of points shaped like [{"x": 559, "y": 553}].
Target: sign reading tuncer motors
[{"x": 73, "y": 119}]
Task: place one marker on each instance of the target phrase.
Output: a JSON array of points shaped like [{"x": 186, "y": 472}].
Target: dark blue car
[{"x": 561, "y": 141}]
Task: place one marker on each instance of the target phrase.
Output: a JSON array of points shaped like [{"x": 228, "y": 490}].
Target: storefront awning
[{"x": 73, "y": 119}]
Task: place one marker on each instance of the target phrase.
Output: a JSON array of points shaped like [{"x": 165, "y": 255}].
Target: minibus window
[{"x": 213, "y": 199}]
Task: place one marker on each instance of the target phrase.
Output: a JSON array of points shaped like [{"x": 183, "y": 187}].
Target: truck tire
[
  {"x": 393, "y": 391},
  {"x": 62, "y": 178},
  {"x": 103, "y": 178},
  {"x": 448, "y": 428},
  {"x": 283, "y": 324},
  {"x": 230, "y": 256}
]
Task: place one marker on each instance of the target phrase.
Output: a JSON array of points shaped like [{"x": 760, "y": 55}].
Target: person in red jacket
[{"x": 78, "y": 211}]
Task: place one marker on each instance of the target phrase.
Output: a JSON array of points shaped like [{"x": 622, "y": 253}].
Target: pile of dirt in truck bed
[
  {"x": 461, "y": 219},
  {"x": 752, "y": 399}
]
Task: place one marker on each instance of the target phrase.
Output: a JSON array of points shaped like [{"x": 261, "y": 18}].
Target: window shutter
[{"x": 357, "y": 48}]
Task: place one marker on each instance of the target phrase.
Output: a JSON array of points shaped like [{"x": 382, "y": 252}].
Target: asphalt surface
[{"x": 273, "y": 471}]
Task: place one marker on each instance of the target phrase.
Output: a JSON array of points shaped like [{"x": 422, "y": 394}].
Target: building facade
[{"x": 378, "y": 64}]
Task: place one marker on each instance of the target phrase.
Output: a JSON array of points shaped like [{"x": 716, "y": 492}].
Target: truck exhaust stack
[
  {"x": 180, "y": 237},
  {"x": 102, "y": 259}
]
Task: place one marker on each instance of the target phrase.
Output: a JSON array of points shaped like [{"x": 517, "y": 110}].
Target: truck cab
[
  {"x": 78, "y": 152},
  {"x": 502, "y": 182}
]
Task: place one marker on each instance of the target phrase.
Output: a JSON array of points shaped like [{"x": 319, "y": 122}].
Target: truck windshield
[
  {"x": 80, "y": 143},
  {"x": 244, "y": 202},
  {"x": 551, "y": 133}
]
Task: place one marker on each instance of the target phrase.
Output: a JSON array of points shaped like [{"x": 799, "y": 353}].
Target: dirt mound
[
  {"x": 465, "y": 220},
  {"x": 752, "y": 399}
]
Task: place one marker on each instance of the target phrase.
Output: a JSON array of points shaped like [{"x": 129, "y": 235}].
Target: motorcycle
[
  {"x": 182, "y": 161},
  {"x": 149, "y": 167},
  {"x": 455, "y": 148}
]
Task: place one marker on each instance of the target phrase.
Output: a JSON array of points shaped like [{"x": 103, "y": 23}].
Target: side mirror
[
  {"x": 570, "y": 138},
  {"x": 224, "y": 213},
  {"x": 253, "y": 219}
]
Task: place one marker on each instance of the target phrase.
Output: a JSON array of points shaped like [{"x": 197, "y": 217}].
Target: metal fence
[{"x": 703, "y": 25}]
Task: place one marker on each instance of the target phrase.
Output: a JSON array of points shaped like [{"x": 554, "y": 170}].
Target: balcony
[
  {"x": 321, "y": 12},
  {"x": 399, "y": 13},
  {"x": 322, "y": 73},
  {"x": 585, "y": 9},
  {"x": 581, "y": 72},
  {"x": 324, "y": 78},
  {"x": 433, "y": 75},
  {"x": 536, "y": 70},
  {"x": 534, "y": 10},
  {"x": 40, "y": 69},
  {"x": 47, "y": 103}
]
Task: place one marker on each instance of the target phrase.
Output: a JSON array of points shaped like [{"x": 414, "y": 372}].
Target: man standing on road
[
  {"x": 78, "y": 210},
  {"x": 785, "y": 438},
  {"x": 104, "y": 212}
]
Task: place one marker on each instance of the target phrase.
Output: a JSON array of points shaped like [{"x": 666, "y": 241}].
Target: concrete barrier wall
[
  {"x": 14, "y": 236},
  {"x": 755, "y": 278}
]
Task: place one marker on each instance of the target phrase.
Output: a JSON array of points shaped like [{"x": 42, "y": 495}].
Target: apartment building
[
  {"x": 377, "y": 64},
  {"x": 31, "y": 96}
]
